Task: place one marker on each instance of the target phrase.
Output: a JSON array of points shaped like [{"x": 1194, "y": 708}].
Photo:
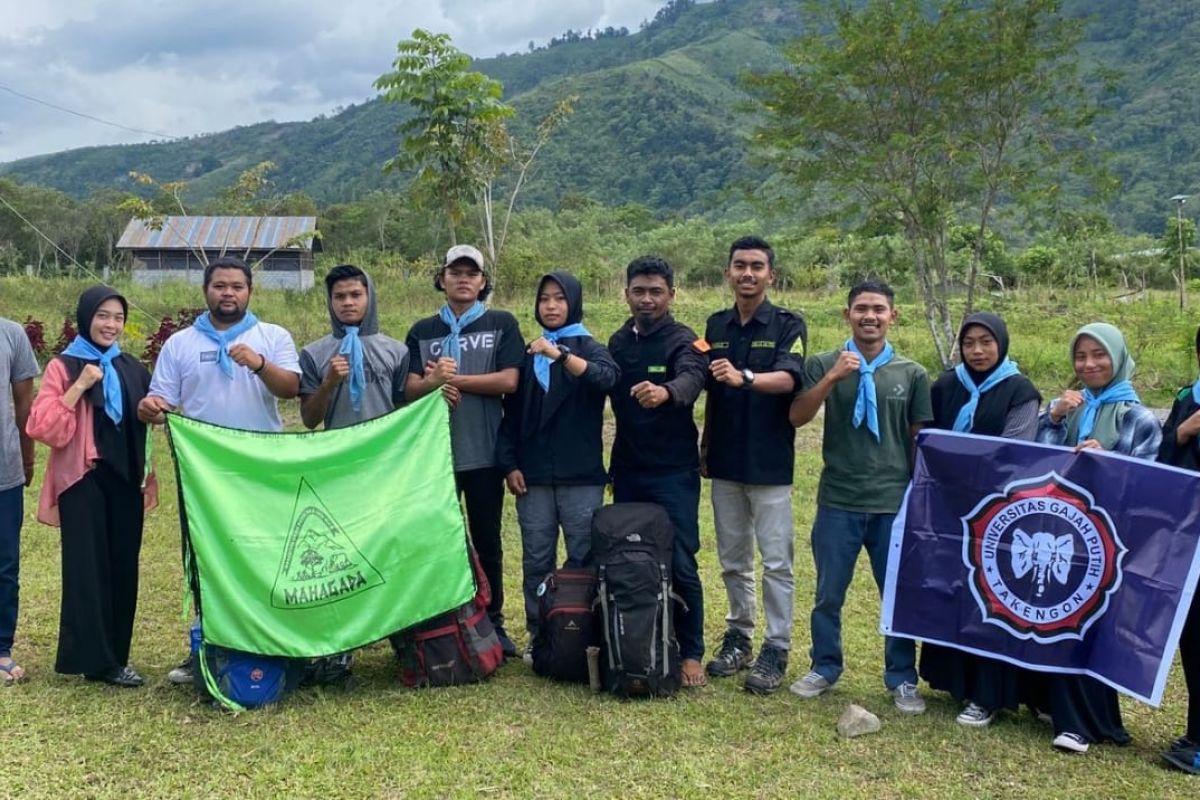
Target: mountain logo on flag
[
  {"x": 320, "y": 564},
  {"x": 1042, "y": 558}
]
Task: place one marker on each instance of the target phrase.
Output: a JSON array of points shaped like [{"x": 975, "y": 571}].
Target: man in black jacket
[
  {"x": 756, "y": 364},
  {"x": 655, "y": 458},
  {"x": 550, "y": 447}
]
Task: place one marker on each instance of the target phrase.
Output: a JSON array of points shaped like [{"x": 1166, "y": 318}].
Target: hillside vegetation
[{"x": 660, "y": 120}]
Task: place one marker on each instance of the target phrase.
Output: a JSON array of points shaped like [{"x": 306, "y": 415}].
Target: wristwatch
[
  {"x": 747, "y": 377},
  {"x": 563, "y": 352}
]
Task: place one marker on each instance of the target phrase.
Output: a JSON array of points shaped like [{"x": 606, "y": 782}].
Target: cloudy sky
[{"x": 181, "y": 68}]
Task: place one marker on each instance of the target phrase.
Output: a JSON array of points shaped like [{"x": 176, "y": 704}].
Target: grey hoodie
[{"x": 385, "y": 362}]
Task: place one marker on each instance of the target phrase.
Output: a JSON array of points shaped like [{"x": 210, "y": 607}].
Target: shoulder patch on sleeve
[
  {"x": 798, "y": 347},
  {"x": 702, "y": 345}
]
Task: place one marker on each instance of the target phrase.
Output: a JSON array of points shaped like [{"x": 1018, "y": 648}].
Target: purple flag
[{"x": 1045, "y": 558}]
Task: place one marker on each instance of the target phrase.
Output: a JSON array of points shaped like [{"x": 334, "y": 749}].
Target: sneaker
[
  {"x": 908, "y": 699},
  {"x": 1184, "y": 743},
  {"x": 506, "y": 644},
  {"x": 767, "y": 674},
  {"x": 1071, "y": 743},
  {"x": 1186, "y": 759},
  {"x": 975, "y": 716},
  {"x": 810, "y": 686},
  {"x": 183, "y": 673},
  {"x": 735, "y": 654}
]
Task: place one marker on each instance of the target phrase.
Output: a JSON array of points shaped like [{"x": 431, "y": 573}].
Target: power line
[
  {"x": 69, "y": 257},
  {"x": 47, "y": 104}
]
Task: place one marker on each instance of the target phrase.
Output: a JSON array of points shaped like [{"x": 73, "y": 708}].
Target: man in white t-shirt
[{"x": 227, "y": 368}]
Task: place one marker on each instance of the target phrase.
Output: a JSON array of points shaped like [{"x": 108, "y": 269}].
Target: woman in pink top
[{"x": 96, "y": 488}]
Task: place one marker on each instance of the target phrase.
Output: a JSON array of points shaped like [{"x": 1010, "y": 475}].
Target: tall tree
[
  {"x": 928, "y": 111},
  {"x": 449, "y": 139}
]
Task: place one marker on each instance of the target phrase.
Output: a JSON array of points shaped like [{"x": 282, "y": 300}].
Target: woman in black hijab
[
  {"x": 985, "y": 394},
  {"x": 96, "y": 488}
]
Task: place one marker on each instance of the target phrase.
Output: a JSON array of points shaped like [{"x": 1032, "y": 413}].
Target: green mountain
[{"x": 660, "y": 118}]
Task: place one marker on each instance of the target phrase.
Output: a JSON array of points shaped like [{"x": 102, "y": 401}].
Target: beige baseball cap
[{"x": 461, "y": 252}]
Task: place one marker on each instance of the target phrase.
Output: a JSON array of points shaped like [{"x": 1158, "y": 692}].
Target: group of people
[{"x": 529, "y": 417}]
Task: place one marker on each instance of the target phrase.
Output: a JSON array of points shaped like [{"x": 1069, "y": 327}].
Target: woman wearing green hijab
[{"x": 1105, "y": 415}]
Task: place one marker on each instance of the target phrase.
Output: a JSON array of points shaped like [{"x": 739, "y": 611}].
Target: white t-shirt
[{"x": 187, "y": 377}]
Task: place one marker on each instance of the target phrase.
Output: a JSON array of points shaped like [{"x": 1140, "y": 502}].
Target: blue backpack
[{"x": 239, "y": 680}]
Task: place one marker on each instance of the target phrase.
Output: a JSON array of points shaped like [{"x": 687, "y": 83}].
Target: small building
[{"x": 275, "y": 247}]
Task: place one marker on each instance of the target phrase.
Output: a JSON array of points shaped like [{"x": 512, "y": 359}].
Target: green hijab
[{"x": 1106, "y": 429}]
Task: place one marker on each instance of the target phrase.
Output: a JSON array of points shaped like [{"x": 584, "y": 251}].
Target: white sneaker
[
  {"x": 1071, "y": 742},
  {"x": 908, "y": 699},
  {"x": 975, "y": 716},
  {"x": 810, "y": 686}
]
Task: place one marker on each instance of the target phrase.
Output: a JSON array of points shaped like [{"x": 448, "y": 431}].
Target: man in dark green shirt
[{"x": 875, "y": 403}]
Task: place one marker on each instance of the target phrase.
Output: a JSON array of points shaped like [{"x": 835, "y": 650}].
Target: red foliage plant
[
  {"x": 65, "y": 337},
  {"x": 184, "y": 317},
  {"x": 35, "y": 331}
]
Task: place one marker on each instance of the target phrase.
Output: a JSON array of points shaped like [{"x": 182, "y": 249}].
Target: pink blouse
[{"x": 71, "y": 436}]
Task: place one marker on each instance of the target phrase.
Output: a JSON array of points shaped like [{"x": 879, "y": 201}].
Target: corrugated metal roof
[{"x": 218, "y": 233}]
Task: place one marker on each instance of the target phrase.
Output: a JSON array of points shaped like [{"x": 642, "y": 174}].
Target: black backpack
[
  {"x": 567, "y": 625},
  {"x": 631, "y": 546}
]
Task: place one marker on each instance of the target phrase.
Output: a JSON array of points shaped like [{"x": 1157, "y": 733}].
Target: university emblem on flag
[{"x": 1042, "y": 558}]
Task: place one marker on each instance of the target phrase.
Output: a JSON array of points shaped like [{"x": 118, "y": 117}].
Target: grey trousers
[
  {"x": 746, "y": 515},
  {"x": 541, "y": 512}
]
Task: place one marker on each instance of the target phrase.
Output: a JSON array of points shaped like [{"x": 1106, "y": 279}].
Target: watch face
[{"x": 748, "y": 376}]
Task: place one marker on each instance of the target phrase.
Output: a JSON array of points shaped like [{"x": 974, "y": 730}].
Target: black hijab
[
  {"x": 949, "y": 395},
  {"x": 123, "y": 447}
]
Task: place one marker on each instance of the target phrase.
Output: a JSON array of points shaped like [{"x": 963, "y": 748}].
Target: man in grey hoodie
[
  {"x": 352, "y": 375},
  {"x": 355, "y": 373}
]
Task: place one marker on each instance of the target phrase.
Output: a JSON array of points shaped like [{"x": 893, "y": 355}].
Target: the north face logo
[
  {"x": 320, "y": 564},
  {"x": 571, "y": 626}
]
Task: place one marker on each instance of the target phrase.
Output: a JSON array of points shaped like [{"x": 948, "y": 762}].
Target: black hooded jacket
[
  {"x": 555, "y": 437},
  {"x": 123, "y": 447}
]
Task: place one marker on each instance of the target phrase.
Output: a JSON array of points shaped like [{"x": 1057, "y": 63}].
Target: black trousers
[
  {"x": 1189, "y": 655},
  {"x": 101, "y": 518},
  {"x": 482, "y": 492}
]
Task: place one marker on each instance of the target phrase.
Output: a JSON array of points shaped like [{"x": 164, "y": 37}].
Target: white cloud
[{"x": 183, "y": 68}]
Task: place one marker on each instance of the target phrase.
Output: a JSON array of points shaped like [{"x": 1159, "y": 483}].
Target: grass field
[{"x": 517, "y": 735}]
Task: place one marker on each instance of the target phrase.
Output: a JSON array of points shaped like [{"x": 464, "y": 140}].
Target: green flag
[{"x": 310, "y": 544}]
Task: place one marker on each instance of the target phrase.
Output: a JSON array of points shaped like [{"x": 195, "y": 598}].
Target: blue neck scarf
[
  {"x": 1196, "y": 392},
  {"x": 451, "y": 347},
  {"x": 204, "y": 324},
  {"x": 113, "y": 397},
  {"x": 1116, "y": 392},
  {"x": 541, "y": 363},
  {"x": 966, "y": 415},
  {"x": 352, "y": 346},
  {"x": 866, "y": 405}
]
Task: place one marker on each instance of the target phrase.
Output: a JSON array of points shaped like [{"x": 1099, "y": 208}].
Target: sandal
[
  {"x": 693, "y": 680},
  {"x": 10, "y": 671}
]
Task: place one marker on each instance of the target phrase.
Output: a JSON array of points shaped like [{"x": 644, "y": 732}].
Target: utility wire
[
  {"x": 47, "y": 104},
  {"x": 69, "y": 257}
]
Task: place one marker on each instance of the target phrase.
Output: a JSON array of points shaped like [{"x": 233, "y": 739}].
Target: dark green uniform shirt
[{"x": 861, "y": 474}]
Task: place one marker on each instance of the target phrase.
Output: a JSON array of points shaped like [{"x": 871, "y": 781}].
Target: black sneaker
[
  {"x": 735, "y": 654},
  {"x": 768, "y": 671},
  {"x": 506, "y": 644}
]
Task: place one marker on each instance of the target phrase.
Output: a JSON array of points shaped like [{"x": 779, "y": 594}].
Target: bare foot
[
  {"x": 691, "y": 673},
  {"x": 10, "y": 671}
]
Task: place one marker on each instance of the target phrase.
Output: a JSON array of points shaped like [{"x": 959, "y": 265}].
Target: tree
[
  {"x": 520, "y": 160},
  {"x": 927, "y": 112},
  {"x": 448, "y": 139}
]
